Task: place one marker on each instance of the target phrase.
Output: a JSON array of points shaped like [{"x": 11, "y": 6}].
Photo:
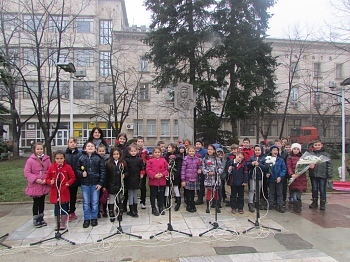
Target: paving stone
[{"x": 292, "y": 241}]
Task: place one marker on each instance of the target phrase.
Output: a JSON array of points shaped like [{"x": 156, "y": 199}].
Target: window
[
  {"x": 317, "y": 70},
  {"x": 33, "y": 23},
  {"x": 170, "y": 94},
  {"x": 13, "y": 56},
  {"x": 64, "y": 56},
  {"x": 64, "y": 90},
  {"x": 294, "y": 123},
  {"x": 339, "y": 96},
  {"x": 294, "y": 69},
  {"x": 273, "y": 127},
  {"x": 106, "y": 32},
  {"x": 83, "y": 90},
  {"x": 105, "y": 66},
  {"x": 84, "y": 58},
  {"x": 58, "y": 23},
  {"x": 151, "y": 128},
  {"x": 144, "y": 92},
  {"x": 176, "y": 128},
  {"x": 247, "y": 127},
  {"x": 9, "y": 22},
  {"x": 84, "y": 25},
  {"x": 138, "y": 127},
  {"x": 106, "y": 95},
  {"x": 164, "y": 128},
  {"x": 294, "y": 93},
  {"x": 32, "y": 89},
  {"x": 223, "y": 92},
  {"x": 30, "y": 58},
  {"x": 317, "y": 97},
  {"x": 144, "y": 66},
  {"x": 339, "y": 71}
]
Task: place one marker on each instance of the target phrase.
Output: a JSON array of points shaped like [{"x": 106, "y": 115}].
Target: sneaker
[
  {"x": 251, "y": 207},
  {"x": 72, "y": 216},
  {"x": 241, "y": 211},
  {"x": 86, "y": 223},
  {"x": 233, "y": 211},
  {"x": 94, "y": 222},
  {"x": 143, "y": 206}
]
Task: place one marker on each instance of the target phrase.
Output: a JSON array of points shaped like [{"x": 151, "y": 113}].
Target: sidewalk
[{"x": 313, "y": 235}]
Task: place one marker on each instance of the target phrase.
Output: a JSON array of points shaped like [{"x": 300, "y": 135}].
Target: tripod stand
[
  {"x": 2, "y": 238},
  {"x": 257, "y": 224},
  {"x": 170, "y": 226}
]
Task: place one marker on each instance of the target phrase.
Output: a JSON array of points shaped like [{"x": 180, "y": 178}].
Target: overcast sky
[{"x": 311, "y": 14}]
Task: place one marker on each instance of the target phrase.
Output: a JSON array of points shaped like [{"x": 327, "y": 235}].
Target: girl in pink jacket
[
  {"x": 35, "y": 171},
  {"x": 157, "y": 172}
]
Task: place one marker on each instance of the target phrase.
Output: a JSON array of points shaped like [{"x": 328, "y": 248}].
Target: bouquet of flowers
[
  {"x": 304, "y": 162},
  {"x": 270, "y": 161}
]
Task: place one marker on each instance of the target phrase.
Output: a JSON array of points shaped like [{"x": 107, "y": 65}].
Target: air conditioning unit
[
  {"x": 80, "y": 73},
  {"x": 129, "y": 126}
]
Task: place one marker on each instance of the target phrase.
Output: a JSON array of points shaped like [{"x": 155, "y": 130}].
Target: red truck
[{"x": 306, "y": 135}]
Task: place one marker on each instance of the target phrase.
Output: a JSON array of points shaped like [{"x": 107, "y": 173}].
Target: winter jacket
[
  {"x": 134, "y": 168},
  {"x": 124, "y": 148},
  {"x": 72, "y": 158},
  {"x": 144, "y": 154},
  {"x": 36, "y": 169},
  {"x": 62, "y": 175},
  {"x": 238, "y": 175},
  {"x": 212, "y": 164},
  {"x": 179, "y": 159},
  {"x": 322, "y": 170},
  {"x": 95, "y": 167},
  {"x": 300, "y": 183},
  {"x": 155, "y": 166},
  {"x": 278, "y": 170},
  {"x": 189, "y": 169},
  {"x": 201, "y": 153},
  {"x": 247, "y": 152},
  {"x": 259, "y": 172},
  {"x": 223, "y": 174},
  {"x": 114, "y": 174},
  {"x": 229, "y": 160}
]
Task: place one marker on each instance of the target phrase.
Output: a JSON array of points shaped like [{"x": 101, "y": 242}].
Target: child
[
  {"x": 35, "y": 171},
  {"x": 91, "y": 171},
  {"x": 115, "y": 170},
  {"x": 275, "y": 177},
  {"x": 162, "y": 147},
  {"x": 223, "y": 176},
  {"x": 180, "y": 155},
  {"x": 300, "y": 183},
  {"x": 144, "y": 154},
  {"x": 212, "y": 168},
  {"x": 134, "y": 171},
  {"x": 201, "y": 153},
  {"x": 174, "y": 176},
  {"x": 102, "y": 203},
  {"x": 157, "y": 172},
  {"x": 72, "y": 155},
  {"x": 247, "y": 150},
  {"x": 190, "y": 170},
  {"x": 122, "y": 144},
  {"x": 257, "y": 170},
  {"x": 319, "y": 174},
  {"x": 60, "y": 177}
]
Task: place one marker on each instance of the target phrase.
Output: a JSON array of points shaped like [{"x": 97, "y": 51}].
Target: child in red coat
[
  {"x": 157, "y": 172},
  {"x": 300, "y": 183},
  {"x": 60, "y": 176}
]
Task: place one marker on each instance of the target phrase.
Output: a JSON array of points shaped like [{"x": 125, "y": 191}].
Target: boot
[
  {"x": 251, "y": 207},
  {"x": 208, "y": 209},
  {"x": 188, "y": 204},
  {"x": 161, "y": 210},
  {"x": 56, "y": 224},
  {"x": 111, "y": 212},
  {"x": 135, "y": 213},
  {"x": 36, "y": 221},
  {"x": 213, "y": 203},
  {"x": 131, "y": 210},
  {"x": 322, "y": 204},
  {"x": 199, "y": 201},
  {"x": 63, "y": 222},
  {"x": 314, "y": 203},
  {"x": 104, "y": 210},
  {"x": 281, "y": 209},
  {"x": 193, "y": 207},
  {"x": 217, "y": 208},
  {"x": 297, "y": 206},
  {"x": 178, "y": 203},
  {"x": 41, "y": 219},
  {"x": 155, "y": 211}
]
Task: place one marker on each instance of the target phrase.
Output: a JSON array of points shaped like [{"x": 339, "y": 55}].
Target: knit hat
[
  {"x": 273, "y": 146},
  {"x": 219, "y": 150},
  {"x": 296, "y": 145},
  {"x": 199, "y": 141},
  {"x": 181, "y": 146}
]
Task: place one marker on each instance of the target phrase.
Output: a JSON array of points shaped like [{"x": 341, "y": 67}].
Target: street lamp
[
  {"x": 69, "y": 68},
  {"x": 343, "y": 166}
]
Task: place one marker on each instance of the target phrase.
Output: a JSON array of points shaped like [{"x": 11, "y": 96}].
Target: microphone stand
[
  {"x": 2, "y": 238},
  {"x": 119, "y": 202},
  {"x": 257, "y": 224},
  {"x": 170, "y": 227},
  {"x": 215, "y": 224},
  {"x": 58, "y": 234}
]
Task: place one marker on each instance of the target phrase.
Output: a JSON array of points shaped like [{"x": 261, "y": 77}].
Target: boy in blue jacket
[{"x": 275, "y": 175}]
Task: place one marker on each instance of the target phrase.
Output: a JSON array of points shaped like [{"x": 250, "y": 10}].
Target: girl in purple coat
[
  {"x": 35, "y": 171},
  {"x": 191, "y": 168}
]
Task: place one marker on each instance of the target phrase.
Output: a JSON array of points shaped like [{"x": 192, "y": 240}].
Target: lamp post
[
  {"x": 69, "y": 68},
  {"x": 343, "y": 166}
]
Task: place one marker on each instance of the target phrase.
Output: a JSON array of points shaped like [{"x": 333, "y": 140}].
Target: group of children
[{"x": 114, "y": 177}]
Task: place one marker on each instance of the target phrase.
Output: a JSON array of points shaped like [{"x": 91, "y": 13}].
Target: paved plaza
[{"x": 312, "y": 235}]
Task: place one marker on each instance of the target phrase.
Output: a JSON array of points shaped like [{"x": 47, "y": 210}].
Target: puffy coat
[
  {"x": 189, "y": 169},
  {"x": 300, "y": 183},
  {"x": 72, "y": 158},
  {"x": 134, "y": 167},
  {"x": 259, "y": 172},
  {"x": 36, "y": 169},
  {"x": 212, "y": 164},
  {"x": 95, "y": 167},
  {"x": 247, "y": 152},
  {"x": 201, "y": 153},
  {"x": 278, "y": 170},
  {"x": 114, "y": 174},
  {"x": 62, "y": 175},
  {"x": 155, "y": 166},
  {"x": 238, "y": 175},
  {"x": 323, "y": 170}
]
